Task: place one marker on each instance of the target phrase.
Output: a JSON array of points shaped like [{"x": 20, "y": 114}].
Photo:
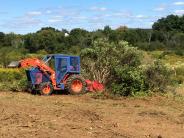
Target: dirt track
[{"x": 66, "y": 116}]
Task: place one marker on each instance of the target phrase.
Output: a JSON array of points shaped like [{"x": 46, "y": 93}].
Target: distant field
[{"x": 25, "y": 115}]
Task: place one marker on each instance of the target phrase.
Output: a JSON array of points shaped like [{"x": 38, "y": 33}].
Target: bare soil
[{"x": 25, "y": 115}]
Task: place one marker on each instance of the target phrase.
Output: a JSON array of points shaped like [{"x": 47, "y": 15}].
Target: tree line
[{"x": 166, "y": 34}]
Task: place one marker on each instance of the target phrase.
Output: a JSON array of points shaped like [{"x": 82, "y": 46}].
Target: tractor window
[
  {"x": 74, "y": 64},
  {"x": 61, "y": 68}
]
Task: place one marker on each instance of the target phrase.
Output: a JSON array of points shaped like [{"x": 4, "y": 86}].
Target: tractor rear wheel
[
  {"x": 76, "y": 85},
  {"x": 46, "y": 88}
]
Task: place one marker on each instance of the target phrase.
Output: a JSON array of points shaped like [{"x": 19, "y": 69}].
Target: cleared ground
[{"x": 25, "y": 115}]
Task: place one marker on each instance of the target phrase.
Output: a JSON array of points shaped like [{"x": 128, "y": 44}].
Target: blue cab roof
[{"x": 60, "y": 55}]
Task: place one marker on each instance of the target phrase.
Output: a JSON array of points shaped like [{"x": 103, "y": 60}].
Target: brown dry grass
[{"x": 25, "y": 115}]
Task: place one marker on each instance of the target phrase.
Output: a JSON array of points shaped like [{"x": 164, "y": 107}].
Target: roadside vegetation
[{"x": 129, "y": 62}]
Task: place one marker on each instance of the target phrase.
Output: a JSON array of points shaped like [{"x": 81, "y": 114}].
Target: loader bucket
[{"x": 14, "y": 64}]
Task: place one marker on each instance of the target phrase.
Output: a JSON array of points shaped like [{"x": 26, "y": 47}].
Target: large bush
[
  {"x": 115, "y": 65},
  {"x": 128, "y": 81},
  {"x": 12, "y": 79},
  {"x": 119, "y": 67}
]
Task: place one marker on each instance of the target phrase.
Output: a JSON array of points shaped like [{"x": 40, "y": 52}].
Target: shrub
[
  {"x": 156, "y": 45},
  {"x": 142, "y": 45},
  {"x": 178, "y": 76},
  {"x": 157, "y": 76},
  {"x": 12, "y": 79},
  {"x": 179, "y": 52},
  {"x": 119, "y": 67},
  {"x": 115, "y": 65},
  {"x": 129, "y": 82}
]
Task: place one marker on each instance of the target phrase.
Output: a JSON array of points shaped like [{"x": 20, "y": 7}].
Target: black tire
[
  {"x": 72, "y": 79},
  {"x": 29, "y": 87},
  {"x": 46, "y": 88}
]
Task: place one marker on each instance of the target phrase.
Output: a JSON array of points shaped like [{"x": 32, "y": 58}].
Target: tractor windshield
[{"x": 61, "y": 68}]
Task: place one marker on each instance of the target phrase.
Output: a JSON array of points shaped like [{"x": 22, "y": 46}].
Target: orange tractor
[{"x": 56, "y": 72}]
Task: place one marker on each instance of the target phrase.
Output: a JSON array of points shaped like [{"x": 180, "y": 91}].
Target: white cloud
[
  {"x": 58, "y": 16},
  {"x": 90, "y": 17},
  {"x": 48, "y": 11},
  {"x": 54, "y": 20},
  {"x": 140, "y": 16},
  {"x": 79, "y": 17},
  {"x": 123, "y": 14},
  {"x": 179, "y": 3},
  {"x": 98, "y": 8},
  {"x": 150, "y": 23},
  {"x": 22, "y": 22},
  {"x": 34, "y": 13},
  {"x": 179, "y": 12},
  {"x": 161, "y": 7},
  {"x": 107, "y": 15},
  {"x": 98, "y": 19}
]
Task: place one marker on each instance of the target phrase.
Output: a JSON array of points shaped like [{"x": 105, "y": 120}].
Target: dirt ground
[{"x": 65, "y": 116}]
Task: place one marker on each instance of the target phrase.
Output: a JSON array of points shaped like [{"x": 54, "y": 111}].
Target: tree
[
  {"x": 182, "y": 23},
  {"x": 130, "y": 36},
  {"x": 107, "y": 31},
  {"x": 178, "y": 40},
  {"x": 8, "y": 54},
  {"x": 2, "y": 36},
  {"x": 79, "y": 37},
  {"x": 31, "y": 43},
  {"x": 12, "y": 39},
  {"x": 169, "y": 31},
  {"x": 49, "y": 39},
  {"x": 170, "y": 23}
]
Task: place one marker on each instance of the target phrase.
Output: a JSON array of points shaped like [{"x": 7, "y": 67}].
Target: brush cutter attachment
[{"x": 94, "y": 86}]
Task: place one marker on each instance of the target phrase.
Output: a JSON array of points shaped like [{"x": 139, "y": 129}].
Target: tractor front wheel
[
  {"x": 76, "y": 85},
  {"x": 46, "y": 88}
]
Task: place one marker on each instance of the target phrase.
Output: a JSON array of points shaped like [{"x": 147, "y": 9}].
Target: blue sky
[{"x": 23, "y": 16}]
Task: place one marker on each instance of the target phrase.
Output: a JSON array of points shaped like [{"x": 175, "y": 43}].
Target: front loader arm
[{"x": 34, "y": 62}]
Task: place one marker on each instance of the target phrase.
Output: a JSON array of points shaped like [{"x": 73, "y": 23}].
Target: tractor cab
[{"x": 63, "y": 65}]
